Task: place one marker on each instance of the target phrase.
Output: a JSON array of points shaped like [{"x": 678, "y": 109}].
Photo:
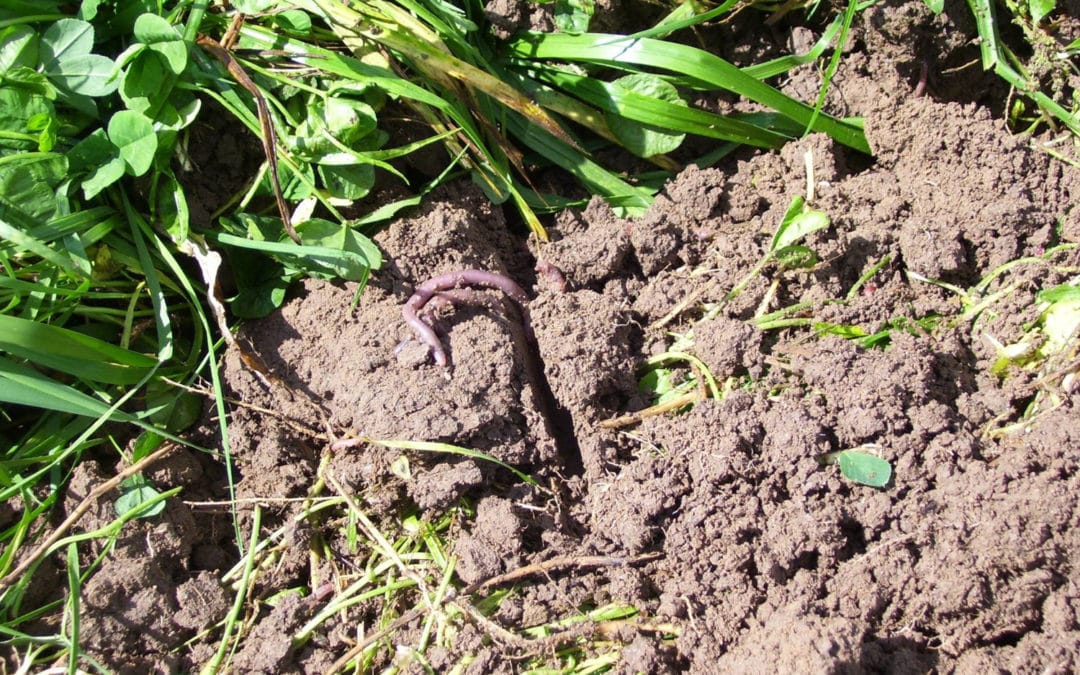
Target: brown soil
[{"x": 763, "y": 560}]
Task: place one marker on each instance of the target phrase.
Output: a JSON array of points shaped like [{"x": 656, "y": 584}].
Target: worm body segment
[{"x": 448, "y": 288}]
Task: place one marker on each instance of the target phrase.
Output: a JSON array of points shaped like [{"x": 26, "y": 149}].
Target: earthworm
[
  {"x": 924, "y": 75},
  {"x": 457, "y": 287},
  {"x": 449, "y": 286},
  {"x": 551, "y": 274}
]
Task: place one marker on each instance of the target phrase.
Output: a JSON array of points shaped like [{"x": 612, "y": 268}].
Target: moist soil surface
[{"x": 740, "y": 550}]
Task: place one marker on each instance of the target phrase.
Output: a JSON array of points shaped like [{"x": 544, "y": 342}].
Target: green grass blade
[
  {"x": 162, "y": 322},
  {"x": 675, "y": 22},
  {"x": 618, "y": 192},
  {"x": 234, "y": 616},
  {"x": 660, "y": 113},
  {"x": 763, "y": 71},
  {"x": 71, "y": 352},
  {"x": 617, "y": 51},
  {"x": 322, "y": 254},
  {"x": 74, "y": 593},
  {"x": 992, "y": 52},
  {"x": 22, "y": 385},
  {"x": 15, "y": 227}
]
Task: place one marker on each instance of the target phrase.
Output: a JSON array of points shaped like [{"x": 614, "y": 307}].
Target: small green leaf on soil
[
  {"x": 657, "y": 384},
  {"x": 147, "y": 442},
  {"x": 797, "y": 223},
  {"x": 861, "y": 467},
  {"x": 135, "y": 492},
  {"x": 795, "y": 257},
  {"x": 1061, "y": 320},
  {"x": 348, "y": 182}
]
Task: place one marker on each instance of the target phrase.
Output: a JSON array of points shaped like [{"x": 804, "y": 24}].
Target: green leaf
[
  {"x": 173, "y": 409},
  {"x": 797, "y": 223},
  {"x": 675, "y": 117},
  {"x": 1040, "y": 9},
  {"x": 89, "y": 75},
  {"x": 703, "y": 67},
  {"x": 1061, "y": 320},
  {"x": 573, "y": 16},
  {"x": 335, "y": 118},
  {"x": 936, "y": 6},
  {"x": 1062, "y": 293},
  {"x": 29, "y": 181},
  {"x": 143, "y": 81},
  {"x": 67, "y": 59},
  {"x": 30, "y": 80},
  {"x": 297, "y": 186},
  {"x": 48, "y": 128},
  {"x": 162, "y": 38},
  {"x": 67, "y": 38},
  {"x": 147, "y": 442},
  {"x": 171, "y": 207},
  {"x": 329, "y": 249},
  {"x": 795, "y": 257},
  {"x": 323, "y": 233},
  {"x": 645, "y": 140},
  {"x": 100, "y": 159},
  {"x": 347, "y": 182},
  {"x": 656, "y": 382},
  {"x": 17, "y": 108},
  {"x": 253, "y": 6},
  {"x": 864, "y": 468},
  {"x": 293, "y": 21},
  {"x": 257, "y": 301},
  {"x": 88, "y": 9},
  {"x": 133, "y": 134},
  {"x": 136, "y": 491},
  {"x": 18, "y": 48},
  {"x": 848, "y": 332}
]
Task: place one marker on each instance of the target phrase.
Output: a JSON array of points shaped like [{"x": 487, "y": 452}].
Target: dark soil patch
[{"x": 767, "y": 561}]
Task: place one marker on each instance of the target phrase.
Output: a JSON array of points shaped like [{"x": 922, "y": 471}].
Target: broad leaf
[
  {"x": 67, "y": 59},
  {"x": 797, "y": 223},
  {"x": 133, "y": 134},
  {"x": 161, "y": 37},
  {"x": 864, "y": 468},
  {"x": 573, "y": 16},
  {"x": 645, "y": 140}
]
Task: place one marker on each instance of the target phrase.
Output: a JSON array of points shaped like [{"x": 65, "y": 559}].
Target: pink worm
[{"x": 448, "y": 287}]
